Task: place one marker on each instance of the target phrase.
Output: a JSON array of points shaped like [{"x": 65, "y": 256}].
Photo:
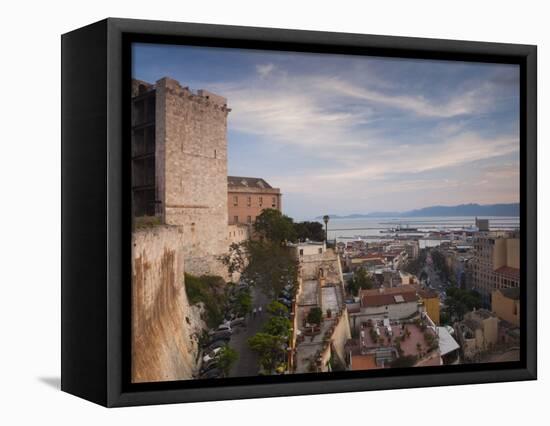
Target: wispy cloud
[
  {"x": 354, "y": 134},
  {"x": 264, "y": 69}
]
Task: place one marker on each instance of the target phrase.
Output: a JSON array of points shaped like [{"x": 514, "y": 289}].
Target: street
[{"x": 247, "y": 363}]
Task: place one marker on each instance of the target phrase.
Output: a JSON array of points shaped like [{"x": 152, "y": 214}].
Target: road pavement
[{"x": 247, "y": 363}]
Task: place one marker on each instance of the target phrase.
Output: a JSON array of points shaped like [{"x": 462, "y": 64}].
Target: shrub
[
  {"x": 209, "y": 290},
  {"x": 143, "y": 222},
  {"x": 315, "y": 316},
  {"x": 403, "y": 361}
]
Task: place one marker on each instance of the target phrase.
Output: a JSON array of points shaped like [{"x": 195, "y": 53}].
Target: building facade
[
  {"x": 505, "y": 304},
  {"x": 247, "y": 197},
  {"x": 495, "y": 263}
]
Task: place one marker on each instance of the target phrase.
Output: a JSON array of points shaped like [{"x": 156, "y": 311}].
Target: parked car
[
  {"x": 287, "y": 294},
  {"x": 215, "y": 339},
  {"x": 209, "y": 366},
  {"x": 225, "y": 326},
  {"x": 222, "y": 334},
  {"x": 285, "y": 301},
  {"x": 211, "y": 374},
  {"x": 211, "y": 355},
  {"x": 238, "y": 322},
  {"x": 220, "y": 343},
  {"x": 222, "y": 328}
]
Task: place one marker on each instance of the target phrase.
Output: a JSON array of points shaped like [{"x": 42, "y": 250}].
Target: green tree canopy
[
  {"x": 361, "y": 280},
  {"x": 226, "y": 358},
  {"x": 440, "y": 264},
  {"x": 277, "y": 326},
  {"x": 270, "y": 350},
  {"x": 277, "y": 309},
  {"x": 210, "y": 290},
  {"x": 275, "y": 226},
  {"x": 313, "y": 231},
  {"x": 243, "y": 303},
  {"x": 315, "y": 316},
  {"x": 415, "y": 266},
  {"x": 404, "y": 361},
  {"x": 270, "y": 266},
  {"x": 459, "y": 301}
]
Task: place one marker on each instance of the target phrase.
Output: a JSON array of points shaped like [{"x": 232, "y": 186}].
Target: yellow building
[
  {"x": 505, "y": 304},
  {"x": 431, "y": 302}
]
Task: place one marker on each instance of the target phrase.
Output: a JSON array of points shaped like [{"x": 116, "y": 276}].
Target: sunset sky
[{"x": 353, "y": 134}]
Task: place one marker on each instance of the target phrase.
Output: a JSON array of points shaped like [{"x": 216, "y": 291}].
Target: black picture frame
[{"x": 96, "y": 228}]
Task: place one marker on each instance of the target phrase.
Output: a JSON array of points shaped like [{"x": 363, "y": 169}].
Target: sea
[{"x": 380, "y": 228}]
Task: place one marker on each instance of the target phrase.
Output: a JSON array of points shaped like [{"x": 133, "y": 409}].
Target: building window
[
  {"x": 249, "y": 219},
  {"x": 248, "y": 201},
  {"x": 320, "y": 250},
  {"x": 274, "y": 202},
  {"x": 261, "y": 201},
  {"x": 301, "y": 252},
  {"x": 235, "y": 201},
  {"x": 236, "y": 219}
]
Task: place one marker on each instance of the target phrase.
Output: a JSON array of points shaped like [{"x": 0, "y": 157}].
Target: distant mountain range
[{"x": 511, "y": 209}]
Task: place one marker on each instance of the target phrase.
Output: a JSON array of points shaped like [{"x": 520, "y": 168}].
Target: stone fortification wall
[{"x": 164, "y": 327}]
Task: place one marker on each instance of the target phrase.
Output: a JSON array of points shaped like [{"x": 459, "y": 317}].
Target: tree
[
  {"x": 309, "y": 231},
  {"x": 277, "y": 309},
  {"x": 235, "y": 258},
  {"x": 315, "y": 316},
  {"x": 226, "y": 358},
  {"x": 270, "y": 350},
  {"x": 360, "y": 280},
  {"x": 459, "y": 301},
  {"x": 270, "y": 266},
  {"x": 277, "y": 326},
  {"x": 243, "y": 304},
  {"x": 275, "y": 226},
  {"x": 209, "y": 290},
  {"x": 441, "y": 265},
  {"x": 415, "y": 266},
  {"x": 404, "y": 361}
]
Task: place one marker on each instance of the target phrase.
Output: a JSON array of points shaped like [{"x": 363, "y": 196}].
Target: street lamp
[{"x": 325, "y": 219}]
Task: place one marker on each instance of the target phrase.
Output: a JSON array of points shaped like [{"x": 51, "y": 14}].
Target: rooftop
[
  {"x": 247, "y": 182},
  {"x": 510, "y": 293},
  {"x": 387, "y": 296},
  {"x": 508, "y": 271},
  {"x": 412, "y": 339}
]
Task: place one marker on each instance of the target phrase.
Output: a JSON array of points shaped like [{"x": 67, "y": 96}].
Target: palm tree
[{"x": 325, "y": 219}]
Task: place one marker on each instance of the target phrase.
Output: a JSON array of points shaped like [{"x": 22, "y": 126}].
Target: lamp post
[{"x": 325, "y": 219}]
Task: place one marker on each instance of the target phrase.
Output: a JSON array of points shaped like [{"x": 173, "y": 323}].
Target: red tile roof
[{"x": 508, "y": 271}]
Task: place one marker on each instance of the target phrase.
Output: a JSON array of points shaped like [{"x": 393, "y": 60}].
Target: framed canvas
[{"x": 254, "y": 212}]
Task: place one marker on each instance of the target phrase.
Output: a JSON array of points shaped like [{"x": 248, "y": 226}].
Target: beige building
[
  {"x": 478, "y": 333},
  {"x": 505, "y": 304},
  {"x": 247, "y": 197},
  {"x": 495, "y": 263},
  {"x": 321, "y": 285}
]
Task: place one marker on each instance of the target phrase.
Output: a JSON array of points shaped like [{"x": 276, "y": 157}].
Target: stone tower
[
  {"x": 191, "y": 135},
  {"x": 190, "y": 170}
]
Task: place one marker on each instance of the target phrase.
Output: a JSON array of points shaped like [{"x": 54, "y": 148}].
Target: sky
[{"x": 345, "y": 134}]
